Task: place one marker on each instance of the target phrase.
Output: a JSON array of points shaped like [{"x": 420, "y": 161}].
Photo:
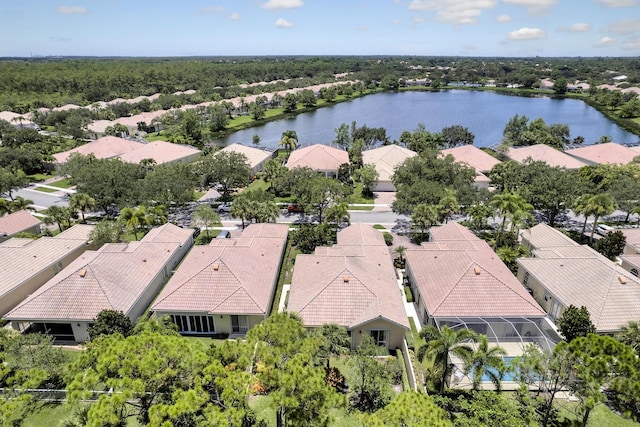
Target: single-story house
[
  {"x": 544, "y": 153},
  {"x": 318, "y": 157},
  {"x": 98, "y": 128},
  {"x": 228, "y": 286},
  {"x": 632, "y": 236},
  {"x": 118, "y": 276},
  {"x": 352, "y": 284},
  {"x": 256, "y": 157},
  {"x": 609, "y": 152},
  {"x": 106, "y": 147},
  {"x": 18, "y": 222},
  {"x": 386, "y": 159},
  {"x": 162, "y": 152},
  {"x": 562, "y": 273},
  {"x": 148, "y": 118},
  {"x": 478, "y": 159},
  {"x": 18, "y": 120},
  {"x": 457, "y": 280},
  {"x": 27, "y": 264}
]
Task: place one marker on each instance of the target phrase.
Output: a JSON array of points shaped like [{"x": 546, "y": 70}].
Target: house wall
[
  {"x": 80, "y": 332},
  {"x": 630, "y": 267},
  {"x": 540, "y": 293},
  {"x": 396, "y": 333},
  {"x": 35, "y": 230},
  {"x": 221, "y": 322},
  {"x": 12, "y": 298},
  {"x": 629, "y": 250}
]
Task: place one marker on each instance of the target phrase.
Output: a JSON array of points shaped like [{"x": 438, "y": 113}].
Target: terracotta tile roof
[
  {"x": 632, "y": 236},
  {"x": 161, "y": 152},
  {"x": 114, "y": 277},
  {"x": 604, "y": 153},
  {"x": 467, "y": 282},
  {"x": 544, "y": 236},
  {"x": 318, "y": 157},
  {"x": 16, "y": 222},
  {"x": 632, "y": 260},
  {"x": 146, "y": 117},
  {"x": 545, "y": 153},
  {"x": 23, "y": 259},
  {"x": 100, "y": 126},
  {"x": 14, "y": 119},
  {"x": 579, "y": 251},
  {"x": 350, "y": 284},
  {"x": 472, "y": 156},
  {"x": 230, "y": 276},
  {"x": 103, "y": 148},
  {"x": 254, "y": 155},
  {"x": 66, "y": 107},
  {"x": 591, "y": 282},
  {"x": 386, "y": 159}
]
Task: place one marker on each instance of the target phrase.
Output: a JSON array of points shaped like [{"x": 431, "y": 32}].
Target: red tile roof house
[
  {"x": 353, "y": 284},
  {"x": 562, "y": 272},
  {"x": 385, "y": 159},
  {"x": 255, "y": 156},
  {"x": 118, "y": 276},
  {"x": 632, "y": 236},
  {"x": 477, "y": 159},
  {"x": 609, "y": 152},
  {"x": 458, "y": 281},
  {"x": 27, "y": 264},
  {"x": 227, "y": 287},
  {"x": 18, "y": 222},
  {"x": 545, "y": 153},
  {"x": 318, "y": 157}
]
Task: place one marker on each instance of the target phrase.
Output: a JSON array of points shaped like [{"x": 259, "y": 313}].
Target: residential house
[
  {"x": 98, "y": 128},
  {"x": 562, "y": 273},
  {"x": 353, "y": 284},
  {"x": 476, "y": 158},
  {"x": 119, "y": 276},
  {"x": 457, "y": 280},
  {"x": 386, "y": 159},
  {"x": 632, "y": 236},
  {"x": 18, "y": 120},
  {"x": 319, "y": 157},
  {"x": 27, "y": 264},
  {"x": 106, "y": 147},
  {"x": 18, "y": 222},
  {"x": 228, "y": 286},
  {"x": 609, "y": 152},
  {"x": 544, "y": 153},
  {"x": 256, "y": 157}
]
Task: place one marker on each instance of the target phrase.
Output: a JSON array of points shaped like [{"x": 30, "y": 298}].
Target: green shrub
[
  {"x": 408, "y": 293},
  {"x": 405, "y": 376},
  {"x": 388, "y": 238}
]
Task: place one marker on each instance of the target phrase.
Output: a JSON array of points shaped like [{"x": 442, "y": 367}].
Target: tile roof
[
  {"x": 544, "y": 236},
  {"x": 16, "y": 222},
  {"x": 16, "y": 119},
  {"x": 473, "y": 156},
  {"x": 22, "y": 259},
  {"x": 632, "y": 236},
  {"x": 604, "y": 153},
  {"x": 632, "y": 260},
  {"x": 468, "y": 282},
  {"x": 229, "y": 276},
  {"x": 591, "y": 282},
  {"x": 100, "y": 126},
  {"x": 254, "y": 155},
  {"x": 114, "y": 277},
  {"x": 386, "y": 159},
  {"x": 146, "y": 117},
  {"x": 103, "y": 148},
  {"x": 545, "y": 153},
  {"x": 318, "y": 157},
  {"x": 161, "y": 152},
  {"x": 350, "y": 284}
]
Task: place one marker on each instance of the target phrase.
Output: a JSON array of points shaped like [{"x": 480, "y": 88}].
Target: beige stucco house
[
  {"x": 386, "y": 159},
  {"x": 18, "y": 222},
  {"x": 319, "y": 157}
]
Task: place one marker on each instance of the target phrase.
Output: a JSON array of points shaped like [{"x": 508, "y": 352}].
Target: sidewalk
[{"x": 409, "y": 307}]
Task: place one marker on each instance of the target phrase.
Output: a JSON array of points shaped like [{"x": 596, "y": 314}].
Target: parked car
[
  {"x": 224, "y": 207},
  {"x": 603, "y": 229},
  {"x": 224, "y": 234},
  {"x": 294, "y": 209}
]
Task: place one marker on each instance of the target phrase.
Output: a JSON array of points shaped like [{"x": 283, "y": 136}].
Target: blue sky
[{"x": 320, "y": 27}]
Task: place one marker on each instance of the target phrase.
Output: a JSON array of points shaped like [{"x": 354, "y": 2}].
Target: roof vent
[
  {"x": 345, "y": 278},
  {"x": 82, "y": 273},
  {"x": 216, "y": 267},
  {"x": 476, "y": 270},
  {"x": 144, "y": 260},
  {"x": 623, "y": 280}
]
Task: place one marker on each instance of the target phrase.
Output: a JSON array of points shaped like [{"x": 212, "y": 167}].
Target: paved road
[{"x": 42, "y": 200}]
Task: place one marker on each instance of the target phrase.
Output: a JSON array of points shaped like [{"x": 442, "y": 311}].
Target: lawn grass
[
  {"x": 258, "y": 184},
  {"x": 358, "y": 197},
  {"x": 160, "y": 136},
  {"x": 379, "y": 227},
  {"x": 601, "y": 415},
  {"x": 63, "y": 183},
  {"x": 360, "y": 208},
  {"x": 46, "y": 189},
  {"x": 38, "y": 177}
]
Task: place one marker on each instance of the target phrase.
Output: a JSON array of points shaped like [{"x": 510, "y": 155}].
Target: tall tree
[
  {"x": 206, "y": 216},
  {"x": 575, "y": 322},
  {"x": 228, "y": 169},
  {"x": 82, "y": 202},
  {"x": 424, "y": 216},
  {"x": 456, "y": 135},
  {"x": 598, "y": 206},
  {"x": 485, "y": 360},
  {"x": 289, "y": 140},
  {"x": 134, "y": 219}
]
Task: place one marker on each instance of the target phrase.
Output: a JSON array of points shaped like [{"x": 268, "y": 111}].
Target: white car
[{"x": 225, "y": 207}]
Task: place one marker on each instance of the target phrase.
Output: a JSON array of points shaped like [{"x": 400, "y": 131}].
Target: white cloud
[
  {"x": 503, "y": 18},
  {"x": 633, "y": 44},
  {"x": 456, "y": 12},
  {"x": 72, "y": 10},
  {"x": 579, "y": 27},
  {"x": 534, "y": 7},
  {"x": 625, "y": 26},
  {"x": 526, "y": 33},
  {"x": 282, "y": 4},
  {"x": 283, "y": 23},
  {"x": 210, "y": 10},
  {"x": 616, "y": 3},
  {"x": 362, "y": 28},
  {"x": 395, "y": 22},
  {"x": 604, "y": 42},
  {"x": 234, "y": 16}
]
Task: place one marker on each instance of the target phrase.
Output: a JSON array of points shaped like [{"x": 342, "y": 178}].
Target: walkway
[
  {"x": 409, "y": 307},
  {"x": 283, "y": 298}
]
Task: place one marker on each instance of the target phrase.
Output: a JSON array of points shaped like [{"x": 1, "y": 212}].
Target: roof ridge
[
  {"x": 604, "y": 299},
  {"x": 455, "y": 285},
  {"x": 99, "y": 285},
  {"x": 241, "y": 288},
  {"x": 332, "y": 281}
]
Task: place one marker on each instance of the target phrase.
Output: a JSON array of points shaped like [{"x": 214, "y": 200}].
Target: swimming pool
[{"x": 508, "y": 376}]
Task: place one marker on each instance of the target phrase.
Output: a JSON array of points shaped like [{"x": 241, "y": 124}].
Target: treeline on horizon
[{"x": 30, "y": 83}]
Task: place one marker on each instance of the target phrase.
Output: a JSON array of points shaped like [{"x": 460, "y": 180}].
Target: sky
[{"x": 512, "y": 28}]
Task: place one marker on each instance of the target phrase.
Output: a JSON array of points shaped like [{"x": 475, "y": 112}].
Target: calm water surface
[{"x": 483, "y": 113}]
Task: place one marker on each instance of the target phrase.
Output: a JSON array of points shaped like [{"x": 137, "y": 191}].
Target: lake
[{"x": 484, "y": 113}]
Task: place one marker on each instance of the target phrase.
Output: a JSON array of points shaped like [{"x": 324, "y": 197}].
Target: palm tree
[
  {"x": 485, "y": 361},
  {"x": 579, "y": 209},
  {"x": 509, "y": 205},
  {"x": 156, "y": 215},
  {"x": 82, "y": 202},
  {"x": 441, "y": 342},
  {"x": 599, "y": 206},
  {"x": 400, "y": 250},
  {"x": 272, "y": 170},
  {"x": 335, "y": 340},
  {"x": 133, "y": 219},
  {"x": 5, "y": 206},
  {"x": 636, "y": 210},
  {"x": 206, "y": 216},
  {"x": 266, "y": 211},
  {"x": 289, "y": 140},
  {"x": 20, "y": 203},
  {"x": 630, "y": 335},
  {"x": 241, "y": 208},
  {"x": 424, "y": 216},
  {"x": 58, "y": 215},
  {"x": 448, "y": 204},
  {"x": 479, "y": 214},
  {"x": 337, "y": 214}
]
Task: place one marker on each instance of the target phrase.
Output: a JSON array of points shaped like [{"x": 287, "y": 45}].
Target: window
[
  {"x": 194, "y": 324},
  {"x": 239, "y": 324},
  {"x": 525, "y": 281},
  {"x": 380, "y": 336},
  {"x": 556, "y": 308},
  {"x": 634, "y": 271}
]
